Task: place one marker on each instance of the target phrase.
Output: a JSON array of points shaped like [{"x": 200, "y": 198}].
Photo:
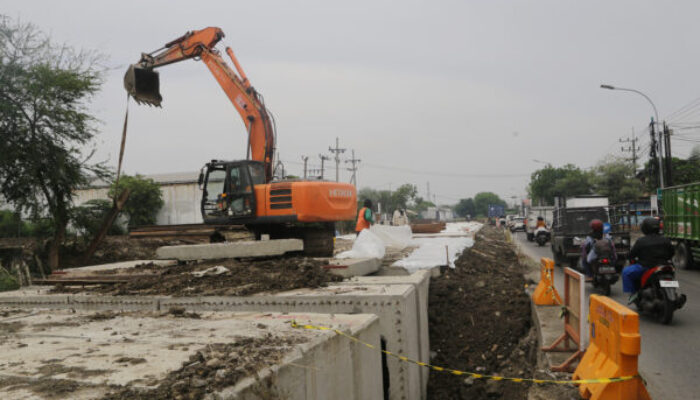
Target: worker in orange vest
[{"x": 364, "y": 217}]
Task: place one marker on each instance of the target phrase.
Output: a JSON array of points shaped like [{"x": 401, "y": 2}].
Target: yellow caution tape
[{"x": 472, "y": 374}]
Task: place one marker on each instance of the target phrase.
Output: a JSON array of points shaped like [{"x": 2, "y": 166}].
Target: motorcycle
[
  {"x": 541, "y": 236},
  {"x": 659, "y": 294},
  {"x": 604, "y": 275}
]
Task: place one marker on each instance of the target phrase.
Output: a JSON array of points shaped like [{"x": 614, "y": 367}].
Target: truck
[
  {"x": 570, "y": 226},
  {"x": 681, "y": 222},
  {"x": 531, "y": 221}
]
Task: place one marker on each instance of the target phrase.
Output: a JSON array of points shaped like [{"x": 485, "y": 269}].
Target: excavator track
[{"x": 319, "y": 239}]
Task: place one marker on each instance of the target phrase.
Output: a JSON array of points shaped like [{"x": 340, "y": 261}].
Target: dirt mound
[
  {"x": 215, "y": 367},
  {"x": 229, "y": 277},
  {"x": 480, "y": 321}
]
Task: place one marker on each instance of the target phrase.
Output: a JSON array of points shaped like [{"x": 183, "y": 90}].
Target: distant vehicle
[
  {"x": 517, "y": 224},
  {"x": 680, "y": 206},
  {"x": 496, "y": 211},
  {"x": 570, "y": 226}
]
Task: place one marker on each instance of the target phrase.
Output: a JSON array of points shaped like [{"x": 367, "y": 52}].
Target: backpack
[{"x": 601, "y": 248}]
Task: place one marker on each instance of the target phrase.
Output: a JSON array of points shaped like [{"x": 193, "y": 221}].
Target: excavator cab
[
  {"x": 229, "y": 195},
  {"x": 143, "y": 84}
]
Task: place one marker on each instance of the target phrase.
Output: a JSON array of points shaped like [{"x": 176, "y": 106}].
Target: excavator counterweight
[{"x": 143, "y": 84}]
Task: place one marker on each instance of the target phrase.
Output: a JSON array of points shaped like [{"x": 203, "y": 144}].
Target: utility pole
[
  {"x": 667, "y": 152},
  {"x": 652, "y": 154},
  {"x": 631, "y": 148},
  {"x": 354, "y": 161},
  {"x": 323, "y": 159},
  {"x": 305, "y": 159},
  {"x": 337, "y": 151}
]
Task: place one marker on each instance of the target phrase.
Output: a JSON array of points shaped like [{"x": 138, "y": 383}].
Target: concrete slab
[
  {"x": 113, "y": 266},
  {"x": 350, "y": 267},
  {"x": 259, "y": 248},
  {"x": 421, "y": 283},
  {"x": 85, "y": 355},
  {"x": 394, "y": 304}
]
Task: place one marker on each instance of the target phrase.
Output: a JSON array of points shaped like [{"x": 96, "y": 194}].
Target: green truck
[{"x": 681, "y": 217}]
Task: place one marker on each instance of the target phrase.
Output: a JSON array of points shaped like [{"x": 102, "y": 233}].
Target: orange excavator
[{"x": 244, "y": 191}]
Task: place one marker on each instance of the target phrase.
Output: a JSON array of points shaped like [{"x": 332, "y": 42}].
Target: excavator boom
[{"x": 142, "y": 82}]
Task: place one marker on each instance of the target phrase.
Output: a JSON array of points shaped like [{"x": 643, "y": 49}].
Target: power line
[{"x": 354, "y": 161}]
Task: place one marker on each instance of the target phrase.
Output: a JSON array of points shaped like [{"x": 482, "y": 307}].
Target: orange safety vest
[{"x": 362, "y": 223}]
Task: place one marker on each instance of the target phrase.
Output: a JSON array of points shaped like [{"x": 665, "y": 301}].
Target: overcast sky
[{"x": 461, "y": 94}]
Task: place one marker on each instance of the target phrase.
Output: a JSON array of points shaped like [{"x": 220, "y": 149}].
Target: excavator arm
[{"x": 143, "y": 84}]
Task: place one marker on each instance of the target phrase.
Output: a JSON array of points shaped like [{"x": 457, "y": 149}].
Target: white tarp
[
  {"x": 433, "y": 252},
  {"x": 440, "y": 249},
  {"x": 366, "y": 245}
]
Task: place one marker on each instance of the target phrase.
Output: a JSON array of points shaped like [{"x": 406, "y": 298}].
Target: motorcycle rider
[
  {"x": 540, "y": 223},
  {"x": 589, "y": 244},
  {"x": 649, "y": 251}
]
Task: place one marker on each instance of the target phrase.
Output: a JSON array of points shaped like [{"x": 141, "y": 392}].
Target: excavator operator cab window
[
  {"x": 257, "y": 173},
  {"x": 214, "y": 195},
  {"x": 240, "y": 191}
]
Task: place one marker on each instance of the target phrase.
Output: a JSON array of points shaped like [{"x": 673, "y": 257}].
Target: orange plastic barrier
[
  {"x": 613, "y": 350},
  {"x": 545, "y": 293}
]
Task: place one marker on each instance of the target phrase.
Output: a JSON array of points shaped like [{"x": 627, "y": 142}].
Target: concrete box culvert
[
  {"x": 395, "y": 304},
  {"x": 421, "y": 283},
  {"x": 135, "y": 349}
]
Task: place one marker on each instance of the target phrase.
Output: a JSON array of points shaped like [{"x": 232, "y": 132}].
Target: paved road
[{"x": 670, "y": 359}]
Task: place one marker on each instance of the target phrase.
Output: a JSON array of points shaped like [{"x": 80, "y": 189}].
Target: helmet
[
  {"x": 596, "y": 225},
  {"x": 650, "y": 225},
  {"x": 540, "y": 219}
]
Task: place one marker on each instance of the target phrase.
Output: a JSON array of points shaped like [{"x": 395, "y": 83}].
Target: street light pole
[{"x": 656, "y": 121}]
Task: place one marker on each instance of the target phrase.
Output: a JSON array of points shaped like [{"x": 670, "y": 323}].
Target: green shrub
[{"x": 7, "y": 281}]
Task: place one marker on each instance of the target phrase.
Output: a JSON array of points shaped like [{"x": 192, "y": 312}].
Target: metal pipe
[{"x": 244, "y": 78}]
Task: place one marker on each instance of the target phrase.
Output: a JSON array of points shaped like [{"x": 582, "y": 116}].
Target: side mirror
[{"x": 200, "y": 180}]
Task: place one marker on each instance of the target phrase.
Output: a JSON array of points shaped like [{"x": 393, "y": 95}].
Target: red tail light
[{"x": 605, "y": 261}]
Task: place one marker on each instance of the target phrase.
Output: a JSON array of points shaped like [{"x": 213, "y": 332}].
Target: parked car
[{"x": 517, "y": 224}]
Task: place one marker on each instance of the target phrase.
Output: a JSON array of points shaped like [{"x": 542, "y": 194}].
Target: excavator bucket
[{"x": 143, "y": 84}]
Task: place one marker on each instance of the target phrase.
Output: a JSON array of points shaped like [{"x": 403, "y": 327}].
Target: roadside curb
[{"x": 547, "y": 319}]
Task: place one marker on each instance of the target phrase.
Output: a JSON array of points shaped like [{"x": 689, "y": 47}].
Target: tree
[
  {"x": 44, "y": 124},
  {"x": 684, "y": 171},
  {"x": 549, "y": 182},
  {"x": 390, "y": 200},
  {"x": 419, "y": 205},
  {"x": 615, "y": 179},
  {"x": 482, "y": 201},
  {"x": 465, "y": 207},
  {"x": 144, "y": 201},
  {"x": 401, "y": 196},
  {"x": 87, "y": 219}
]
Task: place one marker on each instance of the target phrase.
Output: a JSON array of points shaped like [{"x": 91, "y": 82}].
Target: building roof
[{"x": 172, "y": 178}]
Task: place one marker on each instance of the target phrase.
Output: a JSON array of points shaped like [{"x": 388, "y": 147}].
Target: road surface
[{"x": 670, "y": 359}]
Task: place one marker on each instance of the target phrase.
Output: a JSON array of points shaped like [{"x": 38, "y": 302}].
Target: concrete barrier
[
  {"x": 613, "y": 351},
  {"x": 545, "y": 293},
  {"x": 314, "y": 365},
  {"x": 211, "y": 251}
]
